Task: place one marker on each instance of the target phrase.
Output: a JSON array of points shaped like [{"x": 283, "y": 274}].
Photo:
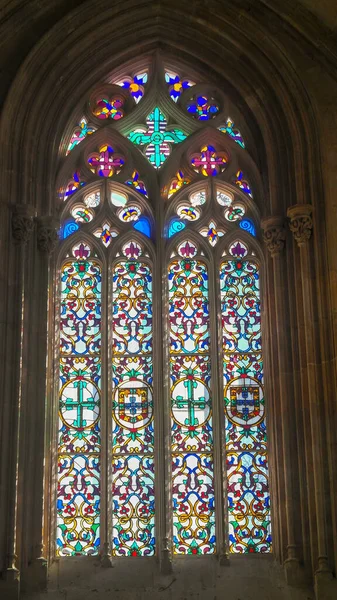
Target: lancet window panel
[
  {"x": 133, "y": 469},
  {"x": 79, "y": 441},
  {"x": 248, "y": 496},
  {"x": 191, "y": 404}
]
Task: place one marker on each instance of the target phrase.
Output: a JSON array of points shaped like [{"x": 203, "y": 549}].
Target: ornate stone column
[
  {"x": 301, "y": 226},
  {"x": 22, "y": 226},
  {"x": 285, "y": 443},
  {"x": 34, "y": 408}
]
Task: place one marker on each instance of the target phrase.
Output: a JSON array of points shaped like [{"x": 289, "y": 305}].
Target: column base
[
  {"x": 35, "y": 576},
  {"x": 10, "y": 584},
  {"x": 165, "y": 563},
  {"x": 294, "y": 573},
  {"x": 325, "y": 582},
  {"x": 223, "y": 560},
  {"x": 106, "y": 561}
]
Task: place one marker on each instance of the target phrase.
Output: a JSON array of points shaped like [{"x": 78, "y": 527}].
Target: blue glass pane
[
  {"x": 67, "y": 229},
  {"x": 143, "y": 225},
  {"x": 248, "y": 225},
  {"x": 175, "y": 226}
]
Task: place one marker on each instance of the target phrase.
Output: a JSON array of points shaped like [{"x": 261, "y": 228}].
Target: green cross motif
[
  {"x": 191, "y": 402},
  {"x": 80, "y": 404},
  {"x": 157, "y": 138}
]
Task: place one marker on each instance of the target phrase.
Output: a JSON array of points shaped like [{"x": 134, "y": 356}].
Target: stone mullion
[
  {"x": 22, "y": 227},
  {"x": 274, "y": 236},
  {"x": 162, "y": 407},
  {"x": 218, "y": 417},
  {"x": 301, "y": 227},
  {"x": 34, "y": 574},
  {"x": 105, "y": 455},
  {"x": 272, "y": 411}
]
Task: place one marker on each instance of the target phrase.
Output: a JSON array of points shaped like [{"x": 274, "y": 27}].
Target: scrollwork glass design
[
  {"x": 79, "y": 445},
  {"x": 246, "y": 446},
  {"x": 191, "y": 406},
  {"x": 132, "y": 407}
]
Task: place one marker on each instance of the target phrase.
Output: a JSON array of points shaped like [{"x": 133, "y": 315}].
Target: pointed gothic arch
[{"x": 286, "y": 144}]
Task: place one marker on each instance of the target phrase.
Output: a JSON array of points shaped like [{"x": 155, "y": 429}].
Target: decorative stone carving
[
  {"x": 22, "y": 222},
  {"x": 274, "y": 234},
  {"x": 300, "y": 222},
  {"x": 47, "y": 236}
]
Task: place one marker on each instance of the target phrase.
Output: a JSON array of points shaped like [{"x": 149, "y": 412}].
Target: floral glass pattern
[
  {"x": 246, "y": 446},
  {"x": 92, "y": 200},
  {"x": 191, "y": 406},
  {"x": 177, "y": 85},
  {"x": 132, "y": 407},
  {"x": 157, "y": 138},
  {"x": 82, "y": 214},
  {"x": 137, "y": 183},
  {"x": 106, "y": 233},
  {"x": 105, "y": 163},
  {"x": 212, "y": 233},
  {"x": 202, "y": 107},
  {"x": 134, "y": 84},
  {"x": 233, "y": 132},
  {"x": 177, "y": 183},
  {"x": 130, "y": 213},
  {"x": 188, "y": 212},
  {"x": 79, "y": 133},
  {"x": 243, "y": 183},
  {"x": 208, "y": 161},
  {"x": 74, "y": 184},
  {"x": 79, "y": 445},
  {"x": 109, "y": 108}
]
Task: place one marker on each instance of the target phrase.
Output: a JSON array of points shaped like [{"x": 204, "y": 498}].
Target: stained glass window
[
  {"x": 150, "y": 185},
  {"x": 244, "y": 405},
  {"x": 79, "y": 443},
  {"x": 191, "y": 406},
  {"x": 132, "y": 406}
]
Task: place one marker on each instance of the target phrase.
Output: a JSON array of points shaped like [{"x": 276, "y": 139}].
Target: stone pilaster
[
  {"x": 274, "y": 236},
  {"x": 301, "y": 225},
  {"x": 22, "y": 226},
  {"x": 300, "y": 222},
  {"x": 34, "y": 568}
]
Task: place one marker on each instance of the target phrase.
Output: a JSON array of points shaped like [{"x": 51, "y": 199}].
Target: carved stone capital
[
  {"x": 47, "y": 234},
  {"x": 274, "y": 234},
  {"x": 22, "y": 223},
  {"x": 300, "y": 222}
]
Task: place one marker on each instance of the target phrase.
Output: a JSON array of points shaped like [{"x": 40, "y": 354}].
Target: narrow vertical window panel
[
  {"x": 79, "y": 444},
  {"x": 191, "y": 409},
  {"x": 132, "y": 409},
  {"x": 246, "y": 442}
]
